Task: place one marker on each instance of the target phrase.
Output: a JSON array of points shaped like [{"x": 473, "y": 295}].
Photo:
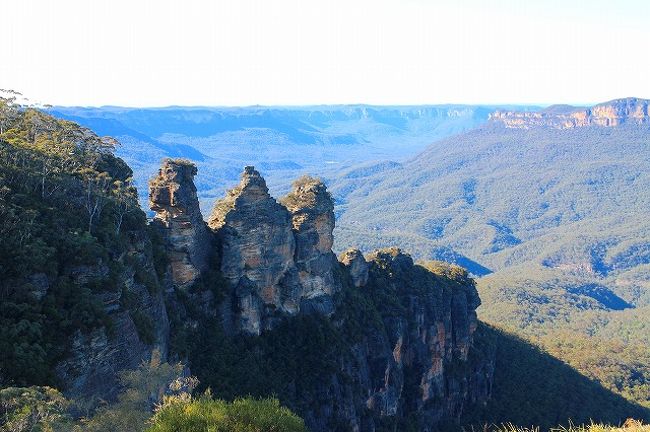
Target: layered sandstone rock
[
  {"x": 428, "y": 339},
  {"x": 608, "y": 114},
  {"x": 257, "y": 249},
  {"x": 417, "y": 321},
  {"x": 277, "y": 256},
  {"x": 407, "y": 365},
  {"x": 172, "y": 196},
  {"x": 94, "y": 360},
  {"x": 312, "y": 216}
]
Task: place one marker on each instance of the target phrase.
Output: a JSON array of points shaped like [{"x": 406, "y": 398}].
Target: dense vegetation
[
  {"x": 242, "y": 415},
  {"x": 610, "y": 346},
  {"x": 67, "y": 207}
]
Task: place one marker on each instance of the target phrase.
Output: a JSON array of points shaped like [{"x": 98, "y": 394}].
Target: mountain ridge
[{"x": 607, "y": 114}]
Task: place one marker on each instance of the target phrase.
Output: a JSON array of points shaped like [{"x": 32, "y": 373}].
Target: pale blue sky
[{"x": 242, "y": 52}]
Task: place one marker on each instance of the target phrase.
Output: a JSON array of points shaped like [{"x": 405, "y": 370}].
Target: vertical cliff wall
[
  {"x": 172, "y": 196},
  {"x": 415, "y": 366},
  {"x": 395, "y": 339},
  {"x": 277, "y": 257}
]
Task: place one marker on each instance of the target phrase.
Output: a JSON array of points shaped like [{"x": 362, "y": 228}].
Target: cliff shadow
[{"x": 533, "y": 388}]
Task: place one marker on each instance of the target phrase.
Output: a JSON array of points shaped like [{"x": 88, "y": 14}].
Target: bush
[{"x": 242, "y": 415}]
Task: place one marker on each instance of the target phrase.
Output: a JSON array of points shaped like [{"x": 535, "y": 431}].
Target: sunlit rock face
[
  {"x": 312, "y": 216},
  {"x": 172, "y": 196},
  {"x": 609, "y": 114},
  {"x": 357, "y": 266},
  {"x": 257, "y": 248}
]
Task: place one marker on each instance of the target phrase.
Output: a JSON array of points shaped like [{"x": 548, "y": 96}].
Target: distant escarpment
[
  {"x": 608, "y": 114},
  {"x": 359, "y": 344}
]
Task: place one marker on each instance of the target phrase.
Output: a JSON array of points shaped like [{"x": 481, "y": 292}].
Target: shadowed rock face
[
  {"x": 172, "y": 195},
  {"x": 409, "y": 364},
  {"x": 92, "y": 365},
  {"x": 277, "y": 260},
  {"x": 433, "y": 333}
]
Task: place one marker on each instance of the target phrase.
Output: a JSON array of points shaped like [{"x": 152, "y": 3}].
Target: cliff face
[
  {"x": 139, "y": 325},
  {"x": 172, "y": 196},
  {"x": 256, "y": 248},
  {"x": 425, "y": 349},
  {"x": 277, "y": 260},
  {"x": 608, "y": 114},
  {"x": 312, "y": 216},
  {"x": 402, "y": 333},
  {"x": 413, "y": 365}
]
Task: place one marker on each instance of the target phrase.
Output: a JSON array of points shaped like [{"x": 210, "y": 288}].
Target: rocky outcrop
[
  {"x": 312, "y": 216},
  {"x": 415, "y": 363},
  {"x": 172, "y": 196},
  {"x": 608, "y": 114},
  {"x": 357, "y": 266},
  {"x": 257, "y": 249},
  {"x": 411, "y": 357}
]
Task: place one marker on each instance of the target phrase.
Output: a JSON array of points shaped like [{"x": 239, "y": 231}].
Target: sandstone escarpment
[
  {"x": 139, "y": 325},
  {"x": 404, "y": 331},
  {"x": 608, "y": 114},
  {"x": 415, "y": 362},
  {"x": 429, "y": 341},
  {"x": 172, "y": 196}
]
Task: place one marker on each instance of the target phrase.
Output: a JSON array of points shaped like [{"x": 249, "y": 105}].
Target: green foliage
[
  {"x": 37, "y": 409},
  {"x": 298, "y": 352},
  {"x": 241, "y": 415},
  {"x": 605, "y": 345},
  {"x": 630, "y": 425},
  {"x": 142, "y": 389},
  {"x": 67, "y": 208},
  {"x": 145, "y": 326}
]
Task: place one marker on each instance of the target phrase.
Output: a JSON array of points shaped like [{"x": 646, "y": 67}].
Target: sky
[{"x": 302, "y": 52}]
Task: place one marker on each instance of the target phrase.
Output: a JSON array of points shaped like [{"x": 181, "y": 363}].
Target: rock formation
[
  {"x": 277, "y": 261},
  {"x": 277, "y": 257},
  {"x": 357, "y": 266},
  {"x": 312, "y": 215},
  {"x": 95, "y": 359},
  {"x": 172, "y": 196},
  {"x": 407, "y": 365},
  {"x": 257, "y": 249},
  {"x": 608, "y": 114}
]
